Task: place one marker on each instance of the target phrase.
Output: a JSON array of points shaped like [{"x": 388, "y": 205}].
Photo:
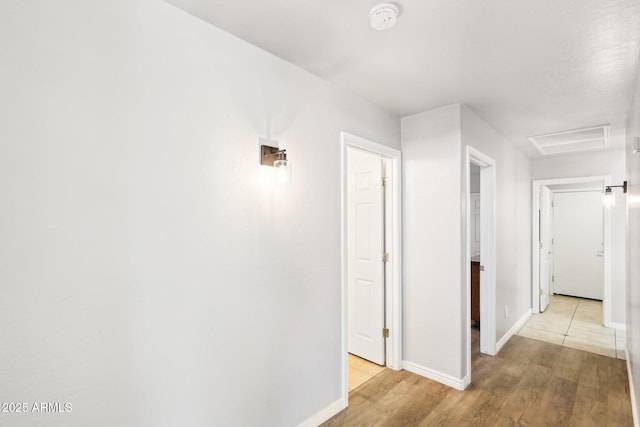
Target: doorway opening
[
  {"x": 371, "y": 260},
  {"x": 479, "y": 260},
  {"x": 571, "y": 253}
]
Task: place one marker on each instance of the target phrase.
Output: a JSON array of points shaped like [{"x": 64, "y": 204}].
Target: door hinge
[
  {"x": 541, "y": 292},
  {"x": 384, "y": 182},
  {"x": 385, "y": 332},
  {"x": 553, "y": 241},
  {"x": 385, "y": 257},
  {"x": 540, "y": 245},
  {"x": 553, "y": 278}
]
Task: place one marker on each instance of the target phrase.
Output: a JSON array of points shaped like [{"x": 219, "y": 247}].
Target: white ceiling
[{"x": 526, "y": 67}]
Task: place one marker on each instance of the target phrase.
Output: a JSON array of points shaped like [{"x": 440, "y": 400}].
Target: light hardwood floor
[
  {"x": 529, "y": 382},
  {"x": 361, "y": 371}
]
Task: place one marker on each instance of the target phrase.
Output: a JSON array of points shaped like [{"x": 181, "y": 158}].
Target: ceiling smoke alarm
[{"x": 384, "y": 16}]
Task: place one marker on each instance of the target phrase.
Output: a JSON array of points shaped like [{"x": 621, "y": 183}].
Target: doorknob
[{"x": 482, "y": 268}]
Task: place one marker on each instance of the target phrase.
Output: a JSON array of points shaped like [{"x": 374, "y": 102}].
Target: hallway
[
  {"x": 529, "y": 382},
  {"x": 576, "y": 323}
]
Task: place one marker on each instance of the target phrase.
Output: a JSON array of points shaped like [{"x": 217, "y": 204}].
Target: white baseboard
[
  {"x": 457, "y": 383},
  {"x": 514, "y": 330},
  {"x": 324, "y": 414},
  {"x": 618, "y": 326},
  {"x": 632, "y": 392}
]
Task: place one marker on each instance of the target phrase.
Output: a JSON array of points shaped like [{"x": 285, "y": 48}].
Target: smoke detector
[{"x": 384, "y": 16}]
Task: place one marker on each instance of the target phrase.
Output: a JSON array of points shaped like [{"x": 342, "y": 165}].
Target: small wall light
[
  {"x": 609, "y": 198},
  {"x": 274, "y": 156}
]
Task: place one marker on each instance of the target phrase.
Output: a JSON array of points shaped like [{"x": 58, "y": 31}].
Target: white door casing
[
  {"x": 475, "y": 224},
  {"x": 365, "y": 247},
  {"x": 488, "y": 342},
  {"x": 578, "y": 244},
  {"x": 545, "y": 248}
]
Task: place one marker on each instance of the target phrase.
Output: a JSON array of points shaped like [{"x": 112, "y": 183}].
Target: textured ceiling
[{"x": 526, "y": 67}]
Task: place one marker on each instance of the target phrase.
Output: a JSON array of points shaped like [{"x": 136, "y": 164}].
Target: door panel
[
  {"x": 365, "y": 245},
  {"x": 578, "y": 232}
]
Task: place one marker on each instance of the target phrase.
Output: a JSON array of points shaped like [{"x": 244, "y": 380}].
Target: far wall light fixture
[
  {"x": 271, "y": 155},
  {"x": 609, "y": 197}
]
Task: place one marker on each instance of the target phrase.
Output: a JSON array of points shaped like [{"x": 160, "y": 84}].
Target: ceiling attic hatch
[{"x": 591, "y": 138}]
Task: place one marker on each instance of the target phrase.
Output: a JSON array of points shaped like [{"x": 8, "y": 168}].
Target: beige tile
[
  {"x": 564, "y": 310},
  {"x": 578, "y": 325},
  {"x": 604, "y": 346},
  {"x": 542, "y": 335},
  {"x": 550, "y": 322}
]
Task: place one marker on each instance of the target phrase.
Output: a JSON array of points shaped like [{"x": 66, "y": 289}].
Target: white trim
[
  {"x": 324, "y": 414},
  {"x": 393, "y": 296},
  {"x": 487, "y": 253},
  {"x": 514, "y": 330},
  {"x": 457, "y": 383},
  {"x": 618, "y": 326},
  {"x": 632, "y": 391},
  {"x": 535, "y": 231}
]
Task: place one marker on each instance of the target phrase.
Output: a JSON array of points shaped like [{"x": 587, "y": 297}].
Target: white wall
[
  {"x": 597, "y": 163},
  {"x": 148, "y": 274},
  {"x": 431, "y": 153},
  {"x": 633, "y": 249},
  {"x": 432, "y": 145},
  {"x": 513, "y": 219}
]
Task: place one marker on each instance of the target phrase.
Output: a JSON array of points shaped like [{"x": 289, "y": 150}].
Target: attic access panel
[{"x": 591, "y": 138}]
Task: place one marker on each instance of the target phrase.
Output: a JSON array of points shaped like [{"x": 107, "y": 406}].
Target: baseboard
[
  {"x": 514, "y": 330},
  {"x": 618, "y": 326},
  {"x": 632, "y": 392},
  {"x": 457, "y": 383},
  {"x": 324, "y": 414}
]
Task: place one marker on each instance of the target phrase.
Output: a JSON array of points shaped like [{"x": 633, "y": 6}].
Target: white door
[
  {"x": 365, "y": 245},
  {"x": 577, "y": 249},
  {"x": 475, "y": 224},
  {"x": 545, "y": 248}
]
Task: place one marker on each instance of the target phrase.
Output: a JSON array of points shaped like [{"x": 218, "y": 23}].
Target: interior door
[
  {"x": 545, "y": 248},
  {"x": 578, "y": 234},
  {"x": 365, "y": 245}
]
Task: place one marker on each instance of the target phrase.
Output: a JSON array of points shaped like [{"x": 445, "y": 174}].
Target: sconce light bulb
[{"x": 608, "y": 198}]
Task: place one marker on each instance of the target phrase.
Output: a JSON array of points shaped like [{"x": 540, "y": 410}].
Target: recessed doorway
[{"x": 371, "y": 251}]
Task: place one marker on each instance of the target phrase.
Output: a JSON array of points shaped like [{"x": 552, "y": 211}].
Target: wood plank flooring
[{"x": 529, "y": 382}]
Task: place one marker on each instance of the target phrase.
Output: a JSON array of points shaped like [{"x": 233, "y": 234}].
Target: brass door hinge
[
  {"x": 384, "y": 182},
  {"x": 385, "y": 257},
  {"x": 385, "y": 332}
]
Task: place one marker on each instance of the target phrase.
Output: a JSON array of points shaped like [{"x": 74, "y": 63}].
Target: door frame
[
  {"x": 488, "y": 254},
  {"x": 537, "y": 185},
  {"x": 393, "y": 270}
]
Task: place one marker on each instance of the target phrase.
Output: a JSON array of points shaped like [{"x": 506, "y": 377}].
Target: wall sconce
[
  {"x": 609, "y": 198},
  {"x": 274, "y": 156}
]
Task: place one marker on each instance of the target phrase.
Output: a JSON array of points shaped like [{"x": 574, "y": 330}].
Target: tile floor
[
  {"x": 361, "y": 371},
  {"x": 577, "y": 323}
]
